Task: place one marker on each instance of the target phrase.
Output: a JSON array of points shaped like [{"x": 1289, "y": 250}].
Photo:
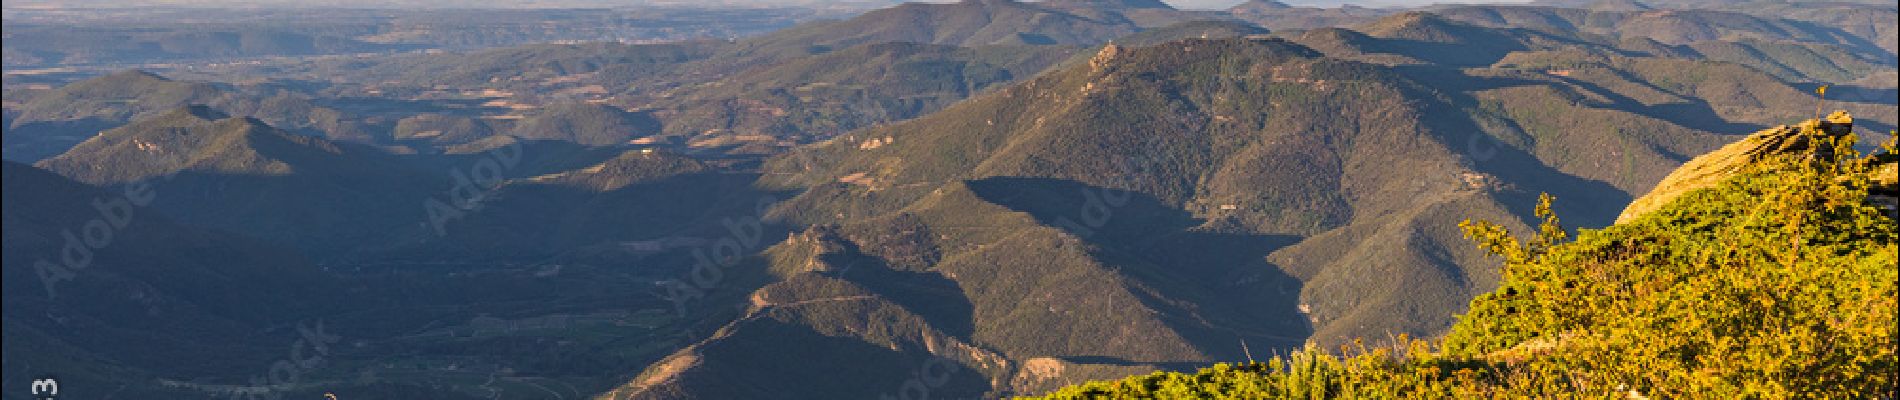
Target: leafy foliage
[{"x": 1778, "y": 283}]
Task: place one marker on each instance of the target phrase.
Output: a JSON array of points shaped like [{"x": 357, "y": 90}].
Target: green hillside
[
  {"x": 820, "y": 96},
  {"x": 1205, "y": 29},
  {"x": 1787, "y": 48},
  {"x": 964, "y": 23},
  {"x": 1778, "y": 281},
  {"x": 1871, "y": 22},
  {"x": 50, "y": 123},
  {"x": 1836, "y": 43},
  {"x": 1747, "y": 89},
  {"x": 632, "y": 196},
  {"x": 586, "y": 124},
  {"x": 240, "y": 174},
  {"x": 1281, "y": 16},
  {"x": 1203, "y": 180},
  {"x": 981, "y": 199}
]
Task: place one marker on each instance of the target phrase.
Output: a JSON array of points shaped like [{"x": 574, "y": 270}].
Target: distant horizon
[
  {"x": 1223, "y": 4},
  {"x": 553, "y": 4}
]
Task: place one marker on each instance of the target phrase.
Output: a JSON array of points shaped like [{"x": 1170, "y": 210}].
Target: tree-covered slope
[
  {"x": 586, "y": 124},
  {"x": 964, "y": 23},
  {"x": 1777, "y": 281},
  {"x": 819, "y": 96},
  {"x": 1681, "y": 27},
  {"x": 1202, "y": 29},
  {"x": 1282, "y": 16},
  {"x": 50, "y": 123},
  {"x": 1788, "y": 50},
  {"x": 630, "y": 196},
  {"x": 242, "y": 175},
  {"x": 1264, "y": 137},
  {"x": 1245, "y": 194}
]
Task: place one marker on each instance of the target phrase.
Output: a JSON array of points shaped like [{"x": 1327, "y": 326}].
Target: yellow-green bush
[{"x": 1778, "y": 283}]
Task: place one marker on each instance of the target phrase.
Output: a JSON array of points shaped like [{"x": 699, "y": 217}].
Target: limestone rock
[
  {"x": 1709, "y": 169},
  {"x": 1107, "y": 55}
]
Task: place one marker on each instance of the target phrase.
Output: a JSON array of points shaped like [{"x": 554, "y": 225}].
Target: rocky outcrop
[
  {"x": 1106, "y": 56},
  {"x": 1736, "y": 158}
]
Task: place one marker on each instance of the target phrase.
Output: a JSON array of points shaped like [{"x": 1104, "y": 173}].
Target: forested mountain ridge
[
  {"x": 1707, "y": 292},
  {"x": 980, "y": 199},
  {"x": 1140, "y": 140}
]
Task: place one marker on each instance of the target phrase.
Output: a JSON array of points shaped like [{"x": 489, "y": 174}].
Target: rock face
[
  {"x": 1709, "y": 169},
  {"x": 1106, "y": 56}
]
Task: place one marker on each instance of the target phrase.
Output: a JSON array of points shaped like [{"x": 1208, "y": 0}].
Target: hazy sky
[
  {"x": 1184, "y": 4},
  {"x": 1203, "y": 3},
  {"x": 1223, "y": 4}
]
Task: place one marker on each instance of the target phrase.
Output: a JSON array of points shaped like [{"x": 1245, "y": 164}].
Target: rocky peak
[
  {"x": 1106, "y": 56},
  {"x": 1709, "y": 169},
  {"x": 1110, "y": 4}
]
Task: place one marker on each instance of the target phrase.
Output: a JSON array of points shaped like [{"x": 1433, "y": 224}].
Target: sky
[
  {"x": 1183, "y": 4},
  {"x": 1223, "y": 4},
  {"x": 1203, "y": 3}
]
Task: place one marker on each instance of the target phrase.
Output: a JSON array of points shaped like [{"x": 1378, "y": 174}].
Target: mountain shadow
[
  {"x": 1234, "y": 289},
  {"x": 929, "y": 295},
  {"x": 34, "y": 141}
]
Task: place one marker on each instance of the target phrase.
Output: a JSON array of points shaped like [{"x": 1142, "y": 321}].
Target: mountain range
[
  {"x": 985, "y": 198},
  {"x": 1579, "y": 316}
]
